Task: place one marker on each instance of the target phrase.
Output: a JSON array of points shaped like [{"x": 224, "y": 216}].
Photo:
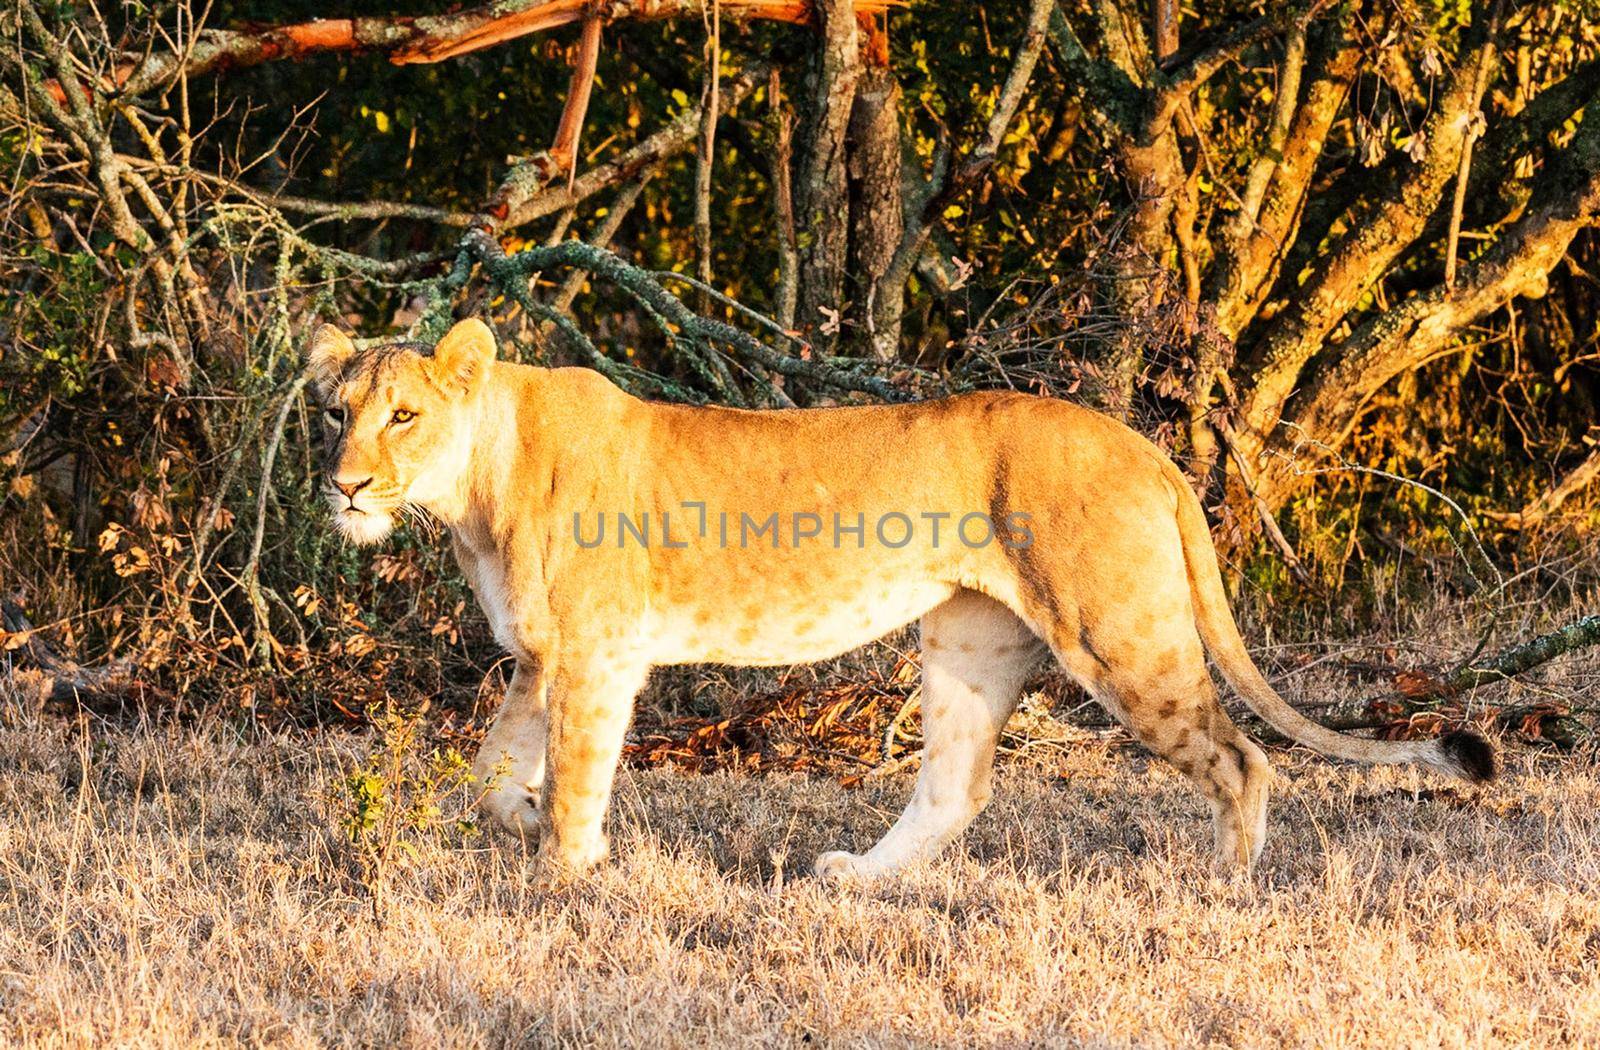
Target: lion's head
[{"x": 399, "y": 422}]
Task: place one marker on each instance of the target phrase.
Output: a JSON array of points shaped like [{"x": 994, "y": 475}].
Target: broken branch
[{"x": 425, "y": 38}]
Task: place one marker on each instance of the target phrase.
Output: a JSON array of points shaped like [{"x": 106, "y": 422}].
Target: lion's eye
[
  {"x": 402, "y": 416},
  {"x": 335, "y": 416}
]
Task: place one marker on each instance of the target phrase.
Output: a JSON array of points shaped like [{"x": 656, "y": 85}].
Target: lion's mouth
[
  {"x": 360, "y": 519},
  {"x": 363, "y": 527}
]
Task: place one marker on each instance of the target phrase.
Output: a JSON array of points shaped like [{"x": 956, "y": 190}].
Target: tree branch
[
  {"x": 425, "y": 38},
  {"x": 705, "y": 156},
  {"x": 1538, "y": 511},
  {"x": 1494, "y": 192},
  {"x": 509, "y": 271},
  {"x": 821, "y": 190},
  {"x": 1474, "y": 124},
  {"x": 1247, "y": 266},
  {"x": 626, "y": 167},
  {"x": 1106, "y": 90},
  {"x": 1189, "y": 73},
  {"x": 1379, "y": 233},
  {"x": 1425, "y": 325},
  {"x": 782, "y": 124},
  {"x": 564, "y": 151},
  {"x": 346, "y": 211},
  {"x": 1526, "y": 656}
]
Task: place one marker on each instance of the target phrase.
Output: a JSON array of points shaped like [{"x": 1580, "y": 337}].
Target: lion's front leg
[
  {"x": 510, "y": 764},
  {"x": 591, "y": 701}
]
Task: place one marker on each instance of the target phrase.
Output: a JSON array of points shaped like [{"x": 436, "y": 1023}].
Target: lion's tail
[{"x": 1460, "y": 754}]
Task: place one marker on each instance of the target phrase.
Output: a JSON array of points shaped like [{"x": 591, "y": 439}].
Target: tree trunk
[
  {"x": 822, "y": 198},
  {"x": 877, "y": 219}
]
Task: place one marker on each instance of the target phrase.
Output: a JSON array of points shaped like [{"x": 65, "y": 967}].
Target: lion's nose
[{"x": 350, "y": 488}]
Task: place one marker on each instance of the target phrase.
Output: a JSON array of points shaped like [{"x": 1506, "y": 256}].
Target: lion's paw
[
  {"x": 552, "y": 877},
  {"x": 516, "y": 810},
  {"x": 558, "y": 868},
  {"x": 837, "y": 866}
]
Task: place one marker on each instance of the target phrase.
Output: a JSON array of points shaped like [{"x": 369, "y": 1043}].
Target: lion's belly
[{"x": 776, "y": 629}]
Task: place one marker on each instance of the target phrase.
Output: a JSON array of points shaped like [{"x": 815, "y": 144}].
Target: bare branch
[
  {"x": 1378, "y": 235},
  {"x": 346, "y": 211},
  {"x": 564, "y": 151},
  {"x": 510, "y": 270},
  {"x": 1538, "y": 511},
  {"x": 1474, "y": 125},
  {"x": 705, "y": 156},
  {"x": 1005, "y": 108},
  {"x": 783, "y": 202},
  {"x": 600, "y": 238},
  {"x": 680, "y": 134},
  {"x": 1251, "y": 253},
  {"x": 1173, "y": 88}
]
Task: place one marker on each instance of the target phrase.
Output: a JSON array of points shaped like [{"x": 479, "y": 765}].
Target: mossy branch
[
  {"x": 1579, "y": 634},
  {"x": 509, "y": 273}
]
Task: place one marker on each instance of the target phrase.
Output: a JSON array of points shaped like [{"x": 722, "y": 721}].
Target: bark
[
  {"x": 1525, "y": 657},
  {"x": 782, "y": 122},
  {"x": 1141, "y": 272},
  {"x": 877, "y": 222},
  {"x": 1495, "y": 194},
  {"x": 822, "y": 201},
  {"x": 705, "y": 158},
  {"x": 1262, "y": 254},
  {"x": 510, "y": 273},
  {"x": 1164, "y": 28},
  {"x": 1256, "y": 240},
  {"x": 527, "y": 177},
  {"x": 927, "y": 201},
  {"x": 1135, "y": 98}
]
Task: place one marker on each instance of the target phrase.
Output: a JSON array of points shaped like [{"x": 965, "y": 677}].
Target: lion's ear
[
  {"x": 330, "y": 351},
  {"x": 463, "y": 355}
]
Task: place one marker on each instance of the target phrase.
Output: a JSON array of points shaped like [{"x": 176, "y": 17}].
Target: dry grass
[{"x": 168, "y": 886}]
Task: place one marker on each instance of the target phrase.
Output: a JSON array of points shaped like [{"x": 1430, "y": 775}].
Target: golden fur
[{"x": 1098, "y": 553}]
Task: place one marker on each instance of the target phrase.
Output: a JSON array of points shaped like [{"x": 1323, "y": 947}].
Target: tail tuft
[{"x": 1466, "y": 754}]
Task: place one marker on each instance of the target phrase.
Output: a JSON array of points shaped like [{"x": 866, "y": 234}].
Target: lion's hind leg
[
  {"x": 976, "y": 655},
  {"x": 1158, "y": 686}
]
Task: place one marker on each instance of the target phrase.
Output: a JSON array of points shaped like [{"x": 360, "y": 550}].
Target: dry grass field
[{"x": 177, "y": 887}]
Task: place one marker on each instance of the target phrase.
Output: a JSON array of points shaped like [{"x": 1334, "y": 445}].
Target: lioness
[{"x": 604, "y": 535}]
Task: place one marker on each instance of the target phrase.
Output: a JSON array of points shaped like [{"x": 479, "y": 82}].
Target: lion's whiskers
[{"x": 421, "y": 520}]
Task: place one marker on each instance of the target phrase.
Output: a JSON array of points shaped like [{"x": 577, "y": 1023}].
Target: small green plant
[{"x": 396, "y": 802}]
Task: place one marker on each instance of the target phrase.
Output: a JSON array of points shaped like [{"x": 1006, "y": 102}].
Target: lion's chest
[{"x": 486, "y": 575}]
